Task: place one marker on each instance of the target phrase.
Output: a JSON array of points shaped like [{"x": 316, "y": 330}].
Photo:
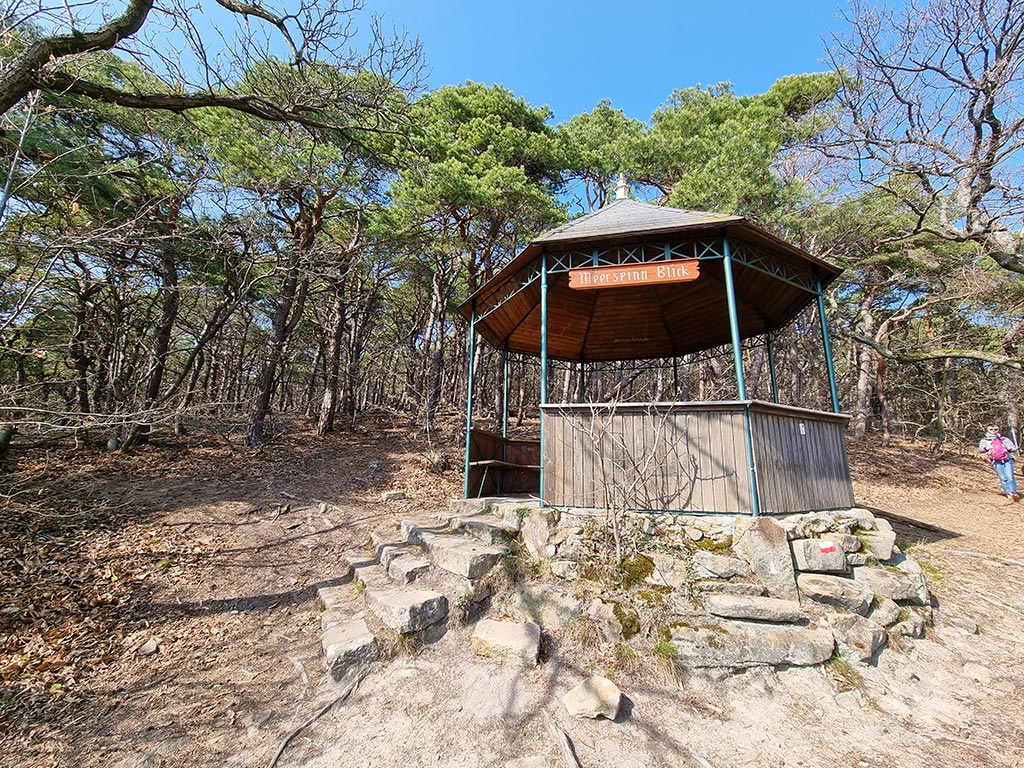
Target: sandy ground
[{"x": 215, "y": 551}]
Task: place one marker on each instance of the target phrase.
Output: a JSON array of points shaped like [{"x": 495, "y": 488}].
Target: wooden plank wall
[
  {"x": 801, "y": 463},
  {"x": 646, "y": 458},
  {"x": 683, "y": 457},
  {"x": 485, "y": 445}
]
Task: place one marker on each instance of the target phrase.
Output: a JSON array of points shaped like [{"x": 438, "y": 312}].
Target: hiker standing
[{"x": 999, "y": 450}]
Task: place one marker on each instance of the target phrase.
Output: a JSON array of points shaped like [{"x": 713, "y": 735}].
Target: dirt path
[{"x": 214, "y": 552}]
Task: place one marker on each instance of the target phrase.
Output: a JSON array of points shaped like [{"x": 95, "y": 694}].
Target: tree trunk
[{"x": 335, "y": 331}]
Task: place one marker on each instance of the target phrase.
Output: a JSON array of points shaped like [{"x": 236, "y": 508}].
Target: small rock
[
  {"x": 794, "y": 526},
  {"x": 846, "y": 541},
  {"x": 668, "y": 571},
  {"x": 912, "y": 625},
  {"x": 884, "y": 611},
  {"x": 537, "y": 530},
  {"x": 850, "y": 699},
  {"x": 878, "y": 544},
  {"x": 858, "y": 637},
  {"x": 392, "y": 496},
  {"x": 862, "y": 518},
  {"x": 753, "y": 608},
  {"x": 915, "y": 573},
  {"x": 854, "y": 559},
  {"x": 595, "y": 697},
  {"x": 693, "y": 533},
  {"x": 819, "y": 555},
  {"x": 149, "y": 647},
  {"x": 507, "y": 640},
  {"x": 565, "y": 569},
  {"x": 818, "y": 523}
]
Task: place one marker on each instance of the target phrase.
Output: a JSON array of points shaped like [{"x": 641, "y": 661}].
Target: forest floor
[{"x": 213, "y": 551}]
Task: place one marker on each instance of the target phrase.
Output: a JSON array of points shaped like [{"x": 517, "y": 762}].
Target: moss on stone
[
  {"x": 634, "y": 570},
  {"x": 628, "y": 619},
  {"x": 716, "y": 547}
]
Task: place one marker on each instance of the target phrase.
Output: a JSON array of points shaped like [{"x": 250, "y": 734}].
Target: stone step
[
  {"x": 406, "y": 610},
  {"x": 349, "y": 649},
  {"x": 486, "y": 528},
  {"x": 412, "y": 529},
  {"x": 460, "y": 555},
  {"x": 407, "y": 568}
]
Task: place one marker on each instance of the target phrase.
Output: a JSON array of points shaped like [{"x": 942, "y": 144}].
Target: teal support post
[
  {"x": 771, "y": 368},
  {"x": 504, "y": 394},
  {"x": 741, "y": 385},
  {"x": 543, "y": 359},
  {"x": 734, "y": 321},
  {"x": 826, "y": 342},
  {"x": 469, "y": 396}
]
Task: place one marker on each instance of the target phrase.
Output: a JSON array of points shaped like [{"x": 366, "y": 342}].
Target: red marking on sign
[{"x": 827, "y": 547}]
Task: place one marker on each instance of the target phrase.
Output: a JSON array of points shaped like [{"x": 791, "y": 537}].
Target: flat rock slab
[
  {"x": 596, "y": 696},
  {"x": 729, "y": 588},
  {"x": 514, "y": 641},
  {"x": 546, "y": 605},
  {"x": 891, "y": 584},
  {"x": 412, "y": 530},
  {"x": 858, "y": 637},
  {"x": 712, "y": 566},
  {"x": 485, "y": 528},
  {"x": 349, "y": 649},
  {"x": 750, "y": 644},
  {"x": 836, "y": 591},
  {"x": 406, "y": 610},
  {"x": 819, "y": 555},
  {"x": 770, "y": 557},
  {"x": 462, "y": 556},
  {"x": 753, "y": 608}
]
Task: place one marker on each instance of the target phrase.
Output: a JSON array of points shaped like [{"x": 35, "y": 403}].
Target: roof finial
[{"x": 621, "y": 187}]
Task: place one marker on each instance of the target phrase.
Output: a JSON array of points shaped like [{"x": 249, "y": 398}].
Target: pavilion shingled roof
[
  {"x": 644, "y": 322},
  {"x": 626, "y": 216}
]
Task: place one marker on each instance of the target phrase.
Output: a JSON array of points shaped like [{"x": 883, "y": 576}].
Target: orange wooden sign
[{"x": 646, "y": 273}]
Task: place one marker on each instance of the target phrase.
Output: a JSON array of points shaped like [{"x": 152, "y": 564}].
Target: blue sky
[{"x": 569, "y": 55}]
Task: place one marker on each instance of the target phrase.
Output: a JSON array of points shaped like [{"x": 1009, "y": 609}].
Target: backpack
[{"x": 997, "y": 451}]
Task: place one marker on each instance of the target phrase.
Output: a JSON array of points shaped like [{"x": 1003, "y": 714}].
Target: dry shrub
[{"x": 435, "y": 462}]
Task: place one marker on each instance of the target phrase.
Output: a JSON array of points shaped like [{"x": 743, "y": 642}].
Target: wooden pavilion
[{"x": 631, "y": 282}]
